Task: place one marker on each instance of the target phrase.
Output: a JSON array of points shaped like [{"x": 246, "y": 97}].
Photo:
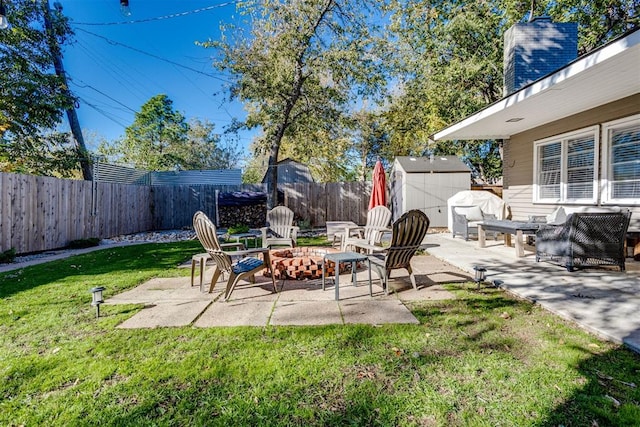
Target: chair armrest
[
  {"x": 238, "y": 246},
  {"x": 458, "y": 218},
  {"x": 357, "y": 230},
  {"x": 294, "y": 232},
  {"x": 253, "y": 251},
  {"x": 367, "y": 247},
  {"x": 488, "y": 216},
  {"x": 553, "y": 232}
]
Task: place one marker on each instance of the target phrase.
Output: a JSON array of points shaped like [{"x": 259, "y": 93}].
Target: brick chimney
[{"x": 535, "y": 49}]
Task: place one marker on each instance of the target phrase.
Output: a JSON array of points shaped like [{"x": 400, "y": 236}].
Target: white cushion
[
  {"x": 472, "y": 213},
  {"x": 557, "y": 217}
]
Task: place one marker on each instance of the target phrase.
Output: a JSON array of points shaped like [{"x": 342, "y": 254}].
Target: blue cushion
[{"x": 247, "y": 264}]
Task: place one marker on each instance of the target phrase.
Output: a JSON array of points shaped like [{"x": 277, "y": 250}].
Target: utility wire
[
  {"x": 113, "y": 42},
  {"x": 103, "y": 94},
  {"x": 102, "y": 112},
  {"x": 158, "y": 18}
]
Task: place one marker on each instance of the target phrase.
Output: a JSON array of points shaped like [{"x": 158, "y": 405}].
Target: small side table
[
  {"x": 342, "y": 257},
  {"x": 246, "y": 237}
]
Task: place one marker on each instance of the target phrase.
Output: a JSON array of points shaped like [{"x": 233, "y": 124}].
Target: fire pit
[{"x": 301, "y": 263}]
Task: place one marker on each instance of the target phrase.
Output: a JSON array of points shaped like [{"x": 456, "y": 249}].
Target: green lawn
[{"x": 483, "y": 359}]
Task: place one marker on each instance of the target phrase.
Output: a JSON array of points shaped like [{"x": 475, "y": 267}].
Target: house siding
[{"x": 518, "y": 156}]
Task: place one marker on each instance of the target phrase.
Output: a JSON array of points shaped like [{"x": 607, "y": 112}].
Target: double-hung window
[
  {"x": 566, "y": 168},
  {"x": 621, "y": 161}
]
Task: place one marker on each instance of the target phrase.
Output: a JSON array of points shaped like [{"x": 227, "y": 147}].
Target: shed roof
[
  {"x": 603, "y": 75},
  {"x": 440, "y": 164}
]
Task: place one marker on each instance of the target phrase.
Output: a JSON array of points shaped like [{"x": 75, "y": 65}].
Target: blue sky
[{"x": 116, "y": 67}]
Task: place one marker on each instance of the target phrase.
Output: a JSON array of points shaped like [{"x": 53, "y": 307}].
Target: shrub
[
  {"x": 84, "y": 243},
  {"x": 237, "y": 229},
  {"x": 8, "y": 256}
]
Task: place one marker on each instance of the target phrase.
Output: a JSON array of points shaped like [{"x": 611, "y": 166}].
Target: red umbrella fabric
[{"x": 379, "y": 190}]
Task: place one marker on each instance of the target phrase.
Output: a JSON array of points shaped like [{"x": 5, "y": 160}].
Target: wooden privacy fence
[{"x": 42, "y": 213}]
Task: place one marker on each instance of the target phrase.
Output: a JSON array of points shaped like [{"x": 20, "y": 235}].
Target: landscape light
[
  {"x": 480, "y": 274},
  {"x": 124, "y": 8},
  {"x": 97, "y": 298},
  {"x": 4, "y": 22}
]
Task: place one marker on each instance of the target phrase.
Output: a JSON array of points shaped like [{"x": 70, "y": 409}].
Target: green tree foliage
[
  {"x": 371, "y": 142},
  {"x": 156, "y": 138},
  {"x": 598, "y": 20},
  {"x": 450, "y": 66},
  {"x": 448, "y": 62},
  {"x": 205, "y": 150},
  {"x": 160, "y": 139},
  {"x": 298, "y": 71},
  {"x": 32, "y": 97}
]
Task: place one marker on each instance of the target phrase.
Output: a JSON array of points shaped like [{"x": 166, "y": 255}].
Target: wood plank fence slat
[{"x": 43, "y": 213}]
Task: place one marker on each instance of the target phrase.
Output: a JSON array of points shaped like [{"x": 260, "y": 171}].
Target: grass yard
[{"x": 483, "y": 359}]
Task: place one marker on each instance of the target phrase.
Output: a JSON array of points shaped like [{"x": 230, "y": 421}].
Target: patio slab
[
  {"x": 168, "y": 314},
  {"x": 236, "y": 313}
]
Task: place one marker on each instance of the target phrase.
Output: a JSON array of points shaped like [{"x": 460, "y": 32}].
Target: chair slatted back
[
  {"x": 206, "y": 232},
  {"x": 408, "y": 233},
  {"x": 280, "y": 220},
  {"x": 378, "y": 219}
]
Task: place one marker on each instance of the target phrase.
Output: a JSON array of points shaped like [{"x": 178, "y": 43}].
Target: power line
[
  {"x": 102, "y": 112},
  {"x": 177, "y": 64},
  {"x": 159, "y": 18},
  {"x": 104, "y": 94}
]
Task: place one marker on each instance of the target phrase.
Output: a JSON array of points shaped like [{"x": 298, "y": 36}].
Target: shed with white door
[{"x": 426, "y": 183}]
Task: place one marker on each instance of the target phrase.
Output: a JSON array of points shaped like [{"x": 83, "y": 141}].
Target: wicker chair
[
  {"x": 246, "y": 267},
  {"x": 280, "y": 230},
  {"x": 407, "y": 235},
  {"x": 465, "y": 220},
  {"x": 585, "y": 239}
]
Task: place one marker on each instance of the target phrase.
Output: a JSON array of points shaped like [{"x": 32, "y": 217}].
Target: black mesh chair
[{"x": 585, "y": 239}]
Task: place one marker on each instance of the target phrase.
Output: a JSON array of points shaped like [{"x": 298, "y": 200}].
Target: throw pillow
[
  {"x": 472, "y": 213},
  {"x": 557, "y": 217}
]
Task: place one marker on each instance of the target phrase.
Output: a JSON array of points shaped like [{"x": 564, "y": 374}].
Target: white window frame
[
  {"x": 563, "y": 139},
  {"x": 606, "y": 187}
]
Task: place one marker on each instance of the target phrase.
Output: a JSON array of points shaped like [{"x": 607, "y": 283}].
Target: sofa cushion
[
  {"x": 557, "y": 217},
  {"x": 472, "y": 213}
]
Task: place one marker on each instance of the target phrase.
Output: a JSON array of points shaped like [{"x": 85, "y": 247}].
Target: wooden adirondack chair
[
  {"x": 246, "y": 267},
  {"x": 407, "y": 235},
  {"x": 280, "y": 230}
]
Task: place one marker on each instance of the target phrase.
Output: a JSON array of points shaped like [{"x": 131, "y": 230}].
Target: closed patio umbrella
[{"x": 379, "y": 190}]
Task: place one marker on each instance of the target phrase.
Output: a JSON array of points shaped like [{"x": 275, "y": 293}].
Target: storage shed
[{"x": 426, "y": 183}]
